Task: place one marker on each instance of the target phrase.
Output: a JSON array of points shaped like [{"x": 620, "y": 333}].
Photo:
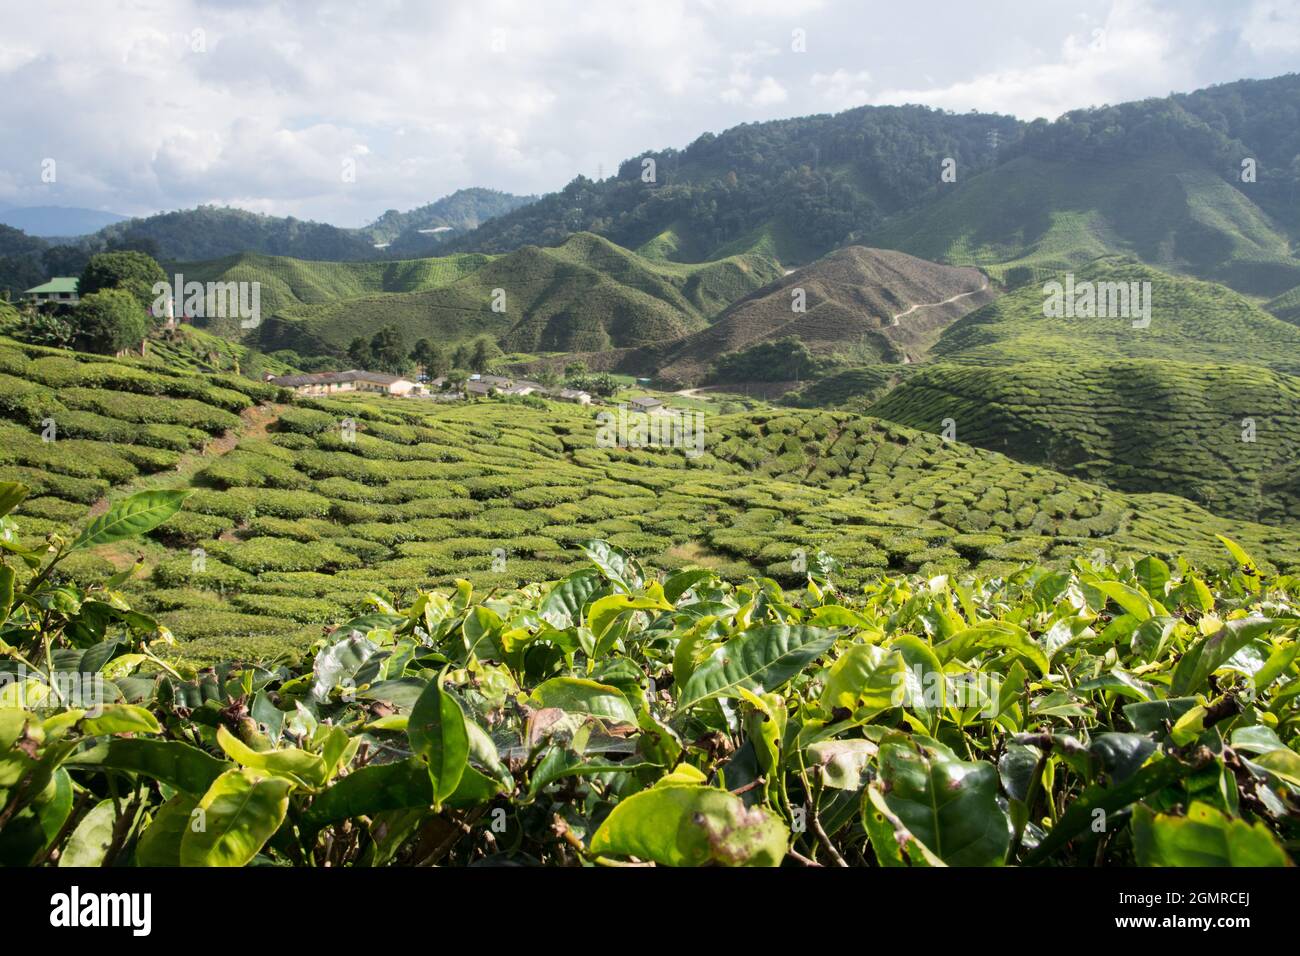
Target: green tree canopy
[
  {"x": 485, "y": 351},
  {"x": 388, "y": 350},
  {"x": 359, "y": 353},
  {"x": 109, "y": 321},
  {"x": 133, "y": 272}
]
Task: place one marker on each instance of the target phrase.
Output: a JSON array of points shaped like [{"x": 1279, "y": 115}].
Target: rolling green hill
[
  {"x": 1032, "y": 216},
  {"x": 296, "y": 523},
  {"x": 586, "y": 294},
  {"x": 1191, "y": 320},
  {"x": 1140, "y": 425},
  {"x": 1287, "y": 306}
]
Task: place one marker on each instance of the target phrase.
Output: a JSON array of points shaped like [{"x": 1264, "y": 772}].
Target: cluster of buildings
[{"x": 357, "y": 380}]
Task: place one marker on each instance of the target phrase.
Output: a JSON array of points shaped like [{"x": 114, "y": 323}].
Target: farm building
[
  {"x": 59, "y": 289},
  {"x": 354, "y": 380},
  {"x": 576, "y": 395},
  {"x": 648, "y": 404}
]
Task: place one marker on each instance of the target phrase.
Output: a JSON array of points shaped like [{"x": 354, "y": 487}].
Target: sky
[{"x": 336, "y": 111}]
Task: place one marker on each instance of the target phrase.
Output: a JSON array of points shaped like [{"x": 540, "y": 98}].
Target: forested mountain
[
  {"x": 212, "y": 231},
  {"x": 418, "y": 232},
  {"x": 821, "y": 179},
  {"x": 1166, "y": 180},
  {"x": 1160, "y": 179}
]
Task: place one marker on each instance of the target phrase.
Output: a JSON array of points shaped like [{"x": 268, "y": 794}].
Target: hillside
[
  {"x": 1287, "y": 306},
  {"x": 1191, "y": 321},
  {"x": 817, "y": 179},
  {"x": 862, "y": 306},
  {"x": 417, "y": 232},
  {"x": 1137, "y": 425},
  {"x": 586, "y": 294},
  {"x": 209, "y": 232},
  {"x": 296, "y": 524},
  {"x": 1033, "y": 215}
]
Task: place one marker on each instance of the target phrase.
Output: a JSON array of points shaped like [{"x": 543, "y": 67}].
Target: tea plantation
[
  {"x": 1225, "y": 436},
  {"x": 291, "y": 526}
]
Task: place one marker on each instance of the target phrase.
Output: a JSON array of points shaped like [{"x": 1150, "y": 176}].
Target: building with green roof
[{"x": 58, "y": 289}]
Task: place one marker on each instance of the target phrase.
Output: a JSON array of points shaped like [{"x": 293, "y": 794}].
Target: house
[
  {"x": 354, "y": 380},
  {"x": 59, "y": 289},
  {"x": 575, "y": 395},
  {"x": 648, "y": 404},
  {"x": 523, "y": 387}
]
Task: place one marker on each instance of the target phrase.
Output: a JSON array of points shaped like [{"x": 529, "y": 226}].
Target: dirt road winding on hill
[{"x": 952, "y": 298}]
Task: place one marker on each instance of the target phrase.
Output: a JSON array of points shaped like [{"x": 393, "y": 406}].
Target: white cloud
[
  {"x": 150, "y": 106},
  {"x": 842, "y": 89}
]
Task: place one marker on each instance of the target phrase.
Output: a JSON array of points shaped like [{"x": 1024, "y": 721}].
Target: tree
[
  {"x": 575, "y": 368},
  {"x": 359, "y": 353},
  {"x": 460, "y": 357},
  {"x": 388, "y": 350},
  {"x": 133, "y": 272},
  {"x": 109, "y": 321},
  {"x": 430, "y": 358},
  {"x": 456, "y": 379},
  {"x": 485, "y": 351}
]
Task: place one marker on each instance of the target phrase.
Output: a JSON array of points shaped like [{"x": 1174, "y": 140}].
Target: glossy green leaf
[
  {"x": 160, "y": 843},
  {"x": 689, "y": 825},
  {"x": 130, "y": 517},
  {"x": 90, "y": 841},
  {"x": 303, "y": 768},
  {"x": 997, "y": 638},
  {"x": 234, "y": 819},
  {"x": 1205, "y": 837},
  {"x": 760, "y": 660},
  {"x": 122, "y": 719},
  {"x": 12, "y": 494},
  {"x": 1210, "y": 653},
  {"x": 949, "y": 805},
  {"x": 437, "y": 733},
  {"x": 580, "y": 696},
  {"x": 172, "y": 762}
]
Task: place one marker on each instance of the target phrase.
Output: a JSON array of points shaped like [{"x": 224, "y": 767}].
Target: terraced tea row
[
  {"x": 1189, "y": 320},
  {"x": 1224, "y": 436},
  {"x": 348, "y": 496}
]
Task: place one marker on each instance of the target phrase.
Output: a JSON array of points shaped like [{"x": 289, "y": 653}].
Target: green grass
[{"x": 1030, "y": 217}]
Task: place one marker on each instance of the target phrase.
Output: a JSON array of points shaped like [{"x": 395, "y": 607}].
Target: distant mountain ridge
[{"x": 57, "y": 221}]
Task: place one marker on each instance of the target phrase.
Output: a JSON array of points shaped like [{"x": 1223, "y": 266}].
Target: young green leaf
[
  {"x": 130, "y": 517},
  {"x": 437, "y": 733}
]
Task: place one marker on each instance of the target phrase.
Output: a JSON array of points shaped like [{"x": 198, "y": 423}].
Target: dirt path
[
  {"x": 927, "y": 305},
  {"x": 257, "y": 420}
]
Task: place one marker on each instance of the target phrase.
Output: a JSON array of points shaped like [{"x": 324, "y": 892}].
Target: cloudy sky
[{"x": 339, "y": 110}]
